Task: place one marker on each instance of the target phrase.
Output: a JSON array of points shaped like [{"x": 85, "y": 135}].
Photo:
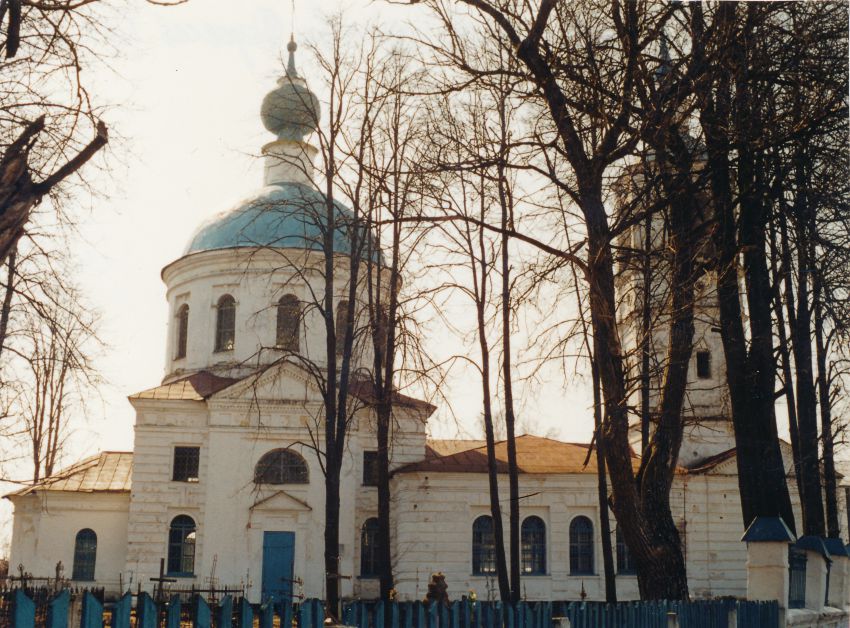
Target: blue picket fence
[
  {"x": 227, "y": 613},
  {"x": 230, "y": 613},
  {"x": 467, "y": 614}
]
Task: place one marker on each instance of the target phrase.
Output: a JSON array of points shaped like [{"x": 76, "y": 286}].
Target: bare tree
[
  {"x": 391, "y": 191},
  {"x": 51, "y": 125},
  {"x": 48, "y": 377},
  {"x": 586, "y": 103}
]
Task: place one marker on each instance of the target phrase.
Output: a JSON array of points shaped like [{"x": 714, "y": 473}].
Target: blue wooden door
[{"x": 278, "y": 552}]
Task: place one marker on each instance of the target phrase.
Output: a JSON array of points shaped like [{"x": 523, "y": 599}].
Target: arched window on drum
[
  {"x": 182, "y": 331},
  {"x": 225, "y": 324},
  {"x": 288, "y": 323}
]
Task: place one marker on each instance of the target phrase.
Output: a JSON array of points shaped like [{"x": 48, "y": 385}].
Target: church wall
[
  {"x": 433, "y": 516},
  {"x": 155, "y": 498},
  {"x": 46, "y": 526},
  {"x": 711, "y": 511},
  {"x": 710, "y": 504},
  {"x": 407, "y": 445},
  {"x": 243, "y": 511},
  {"x": 231, "y": 512}
]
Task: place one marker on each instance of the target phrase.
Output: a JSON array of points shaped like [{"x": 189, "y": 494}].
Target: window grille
[
  {"x": 186, "y": 462},
  {"x": 533, "y": 535},
  {"x": 370, "y": 468},
  {"x": 341, "y": 328},
  {"x": 181, "y": 546},
  {"x": 281, "y": 466},
  {"x": 85, "y": 555},
  {"x": 704, "y": 364},
  {"x": 182, "y": 331},
  {"x": 625, "y": 562},
  {"x": 581, "y": 546},
  {"x": 225, "y": 324},
  {"x": 483, "y": 547},
  {"x": 288, "y": 323},
  {"x": 797, "y": 577},
  {"x": 369, "y": 549}
]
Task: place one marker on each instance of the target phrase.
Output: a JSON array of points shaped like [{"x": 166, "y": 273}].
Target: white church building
[{"x": 224, "y": 484}]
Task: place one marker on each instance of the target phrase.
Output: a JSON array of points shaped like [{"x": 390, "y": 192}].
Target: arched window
[
  {"x": 483, "y": 546},
  {"x": 181, "y": 546},
  {"x": 625, "y": 563},
  {"x": 369, "y": 548},
  {"x": 288, "y": 322},
  {"x": 182, "y": 331},
  {"x": 533, "y": 545},
  {"x": 85, "y": 554},
  {"x": 341, "y": 327},
  {"x": 281, "y": 466},
  {"x": 581, "y": 546},
  {"x": 225, "y": 323}
]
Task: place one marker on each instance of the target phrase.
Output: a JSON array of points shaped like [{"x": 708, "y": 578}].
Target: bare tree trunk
[
  {"x": 492, "y": 468},
  {"x": 7, "y": 298},
  {"x": 645, "y": 330},
  {"x": 19, "y": 193},
  {"x": 507, "y": 375},
  {"x": 660, "y": 566},
  {"x": 811, "y": 496},
  {"x": 833, "y": 529},
  {"x": 602, "y": 491},
  {"x": 761, "y": 472},
  {"x": 784, "y": 353}
]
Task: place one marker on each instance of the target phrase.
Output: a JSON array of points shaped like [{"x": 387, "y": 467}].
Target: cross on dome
[{"x": 291, "y": 72}]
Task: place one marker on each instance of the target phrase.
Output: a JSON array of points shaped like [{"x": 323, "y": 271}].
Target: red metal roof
[
  {"x": 195, "y": 387},
  {"x": 365, "y": 391},
  {"x": 534, "y": 455}
]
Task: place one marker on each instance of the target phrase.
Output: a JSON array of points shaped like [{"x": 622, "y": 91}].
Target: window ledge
[{"x": 180, "y": 574}]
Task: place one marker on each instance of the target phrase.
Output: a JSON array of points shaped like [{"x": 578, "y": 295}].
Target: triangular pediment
[
  {"x": 280, "y": 500},
  {"x": 727, "y": 462},
  {"x": 281, "y": 381}
]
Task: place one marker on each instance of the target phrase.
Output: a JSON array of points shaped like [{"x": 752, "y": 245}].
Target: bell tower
[{"x": 643, "y": 269}]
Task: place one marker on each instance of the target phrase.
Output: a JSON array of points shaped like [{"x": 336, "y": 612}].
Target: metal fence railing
[{"x": 797, "y": 577}]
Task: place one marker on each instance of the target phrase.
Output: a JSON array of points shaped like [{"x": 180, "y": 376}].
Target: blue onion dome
[
  {"x": 290, "y": 111},
  {"x": 281, "y": 215}
]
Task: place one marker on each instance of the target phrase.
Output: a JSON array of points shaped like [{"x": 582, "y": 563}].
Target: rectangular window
[
  {"x": 370, "y": 468},
  {"x": 186, "y": 461},
  {"x": 704, "y": 364}
]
